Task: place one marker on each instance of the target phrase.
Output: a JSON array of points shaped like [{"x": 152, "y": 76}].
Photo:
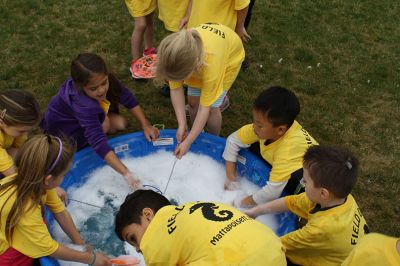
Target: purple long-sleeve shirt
[{"x": 73, "y": 114}]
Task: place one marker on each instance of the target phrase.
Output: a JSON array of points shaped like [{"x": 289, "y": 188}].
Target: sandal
[{"x": 144, "y": 67}]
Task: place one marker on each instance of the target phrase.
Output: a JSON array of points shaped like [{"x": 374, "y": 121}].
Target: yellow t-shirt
[
  {"x": 216, "y": 11},
  {"x": 31, "y": 236},
  {"x": 140, "y": 8},
  {"x": 171, "y": 13},
  {"x": 202, "y": 233},
  {"x": 285, "y": 155},
  {"x": 6, "y": 142},
  {"x": 329, "y": 235},
  {"x": 374, "y": 249},
  {"x": 224, "y": 54}
]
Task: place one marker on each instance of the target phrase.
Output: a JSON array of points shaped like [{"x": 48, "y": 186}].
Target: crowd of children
[{"x": 205, "y": 52}]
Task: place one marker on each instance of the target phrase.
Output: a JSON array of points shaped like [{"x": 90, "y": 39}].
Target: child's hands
[
  {"x": 151, "y": 133},
  {"x": 241, "y": 31},
  {"x": 182, "y": 149},
  {"x": 63, "y": 195},
  {"x": 181, "y": 133},
  {"x": 253, "y": 213},
  {"x": 183, "y": 23},
  {"x": 133, "y": 181},
  {"x": 231, "y": 184},
  {"x": 101, "y": 260}
]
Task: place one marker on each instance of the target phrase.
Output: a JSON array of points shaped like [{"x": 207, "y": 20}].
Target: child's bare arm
[
  {"x": 277, "y": 205},
  {"x": 65, "y": 253},
  {"x": 151, "y": 133},
  {"x": 67, "y": 224},
  {"x": 240, "y": 29},
  {"x": 185, "y": 19}
]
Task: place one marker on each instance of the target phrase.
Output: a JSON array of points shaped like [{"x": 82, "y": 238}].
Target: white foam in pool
[{"x": 195, "y": 178}]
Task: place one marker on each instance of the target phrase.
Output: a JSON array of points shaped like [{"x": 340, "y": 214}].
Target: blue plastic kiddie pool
[{"x": 135, "y": 145}]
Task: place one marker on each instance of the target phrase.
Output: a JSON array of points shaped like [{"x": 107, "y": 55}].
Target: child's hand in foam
[
  {"x": 231, "y": 185},
  {"x": 133, "y": 181}
]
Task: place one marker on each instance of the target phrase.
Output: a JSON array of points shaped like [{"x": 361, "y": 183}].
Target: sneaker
[
  {"x": 144, "y": 67},
  {"x": 245, "y": 64},
  {"x": 225, "y": 104},
  {"x": 164, "y": 90},
  {"x": 149, "y": 51}
]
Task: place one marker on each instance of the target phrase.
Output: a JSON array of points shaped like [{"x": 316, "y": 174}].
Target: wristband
[{"x": 94, "y": 258}]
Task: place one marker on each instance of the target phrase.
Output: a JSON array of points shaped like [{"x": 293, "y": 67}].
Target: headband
[{"x": 58, "y": 156}]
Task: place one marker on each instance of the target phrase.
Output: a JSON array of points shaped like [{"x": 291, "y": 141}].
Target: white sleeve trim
[
  {"x": 271, "y": 191},
  {"x": 232, "y": 147}
]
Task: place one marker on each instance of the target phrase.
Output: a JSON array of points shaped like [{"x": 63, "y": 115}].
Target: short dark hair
[
  {"x": 279, "y": 104},
  {"x": 131, "y": 210},
  {"x": 333, "y": 168}
]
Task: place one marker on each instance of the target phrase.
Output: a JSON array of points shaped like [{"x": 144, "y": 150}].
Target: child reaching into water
[
  {"x": 277, "y": 138},
  {"x": 87, "y": 107},
  {"x": 335, "y": 223},
  {"x": 19, "y": 113},
  {"x": 42, "y": 163},
  {"x": 207, "y": 58}
]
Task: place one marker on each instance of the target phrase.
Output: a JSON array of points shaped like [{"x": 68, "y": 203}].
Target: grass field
[{"x": 340, "y": 57}]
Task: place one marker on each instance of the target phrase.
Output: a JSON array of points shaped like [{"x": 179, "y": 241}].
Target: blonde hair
[
  {"x": 180, "y": 54},
  {"x": 40, "y": 156},
  {"x": 18, "y": 107}
]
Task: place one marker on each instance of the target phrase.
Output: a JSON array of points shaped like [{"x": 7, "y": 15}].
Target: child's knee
[
  {"x": 140, "y": 24},
  {"x": 117, "y": 122},
  {"x": 106, "y": 125}
]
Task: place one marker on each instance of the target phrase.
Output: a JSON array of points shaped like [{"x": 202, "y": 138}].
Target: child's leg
[
  {"x": 149, "y": 33},
  {"x": 193, "y": 102},
  {"x": 117, "y": 122},
  {"x": 106, "y": 125},
  {"x": 137, "y": 36},
  {"x": 214, "y": 121}
]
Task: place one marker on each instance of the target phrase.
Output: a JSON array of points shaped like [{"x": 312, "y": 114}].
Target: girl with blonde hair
[
  {"x": 42, "y": 163},
  {"x": 207, "y": 59}
]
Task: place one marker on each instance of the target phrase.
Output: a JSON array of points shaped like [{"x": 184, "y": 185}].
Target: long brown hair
[
  {"x": 40, "y": 156},
  {"x": 85, "y": 65},
  {"x": 19, "y": 108}
]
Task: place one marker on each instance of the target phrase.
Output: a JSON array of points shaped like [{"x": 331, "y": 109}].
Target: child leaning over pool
[
  {"x": 275, "y": 136},
  {"x": 335, "y": 222},
  {"x": 198, "y": 233},
  {"x": 87, "y": 107},
  {"x": 19, "y": 113},
  {"x": 42, "y": 163}
]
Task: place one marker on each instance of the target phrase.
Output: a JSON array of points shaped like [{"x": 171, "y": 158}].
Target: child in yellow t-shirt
[
  {"x": 375, "y": 249},
  {"x": 42, "y": 163},
  {"x": 198, "y": 233},
  {"x": 171, "y": 12},
  {"x": 207, "y": 58},
  {"x": 335, "y": 223},
  {"x": 231, "y": 13},
  {"x": 275, "y": 136},
  {"x": 142, "y": 11},
  {"x": 19, "y": 113}
]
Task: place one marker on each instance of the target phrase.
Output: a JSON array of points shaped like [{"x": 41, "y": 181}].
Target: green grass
[{"x": 340, "y": 57}]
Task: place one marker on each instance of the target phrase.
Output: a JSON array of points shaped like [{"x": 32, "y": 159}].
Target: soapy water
[{"x": 195, "y": 177}]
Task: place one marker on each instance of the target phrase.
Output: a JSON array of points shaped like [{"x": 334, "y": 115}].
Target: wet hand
[
  {"x": 251, "y": 212},
  {"x": 101, "y": 260},
  {"x": 182, "y": 149},
  {"x": 63, "y": 195},
  {"x": 133, "y": 181},
  {"x": 183, "y": 23},
  {"x": 151, "y": 133},
  {"x": 231, "y": 184}
]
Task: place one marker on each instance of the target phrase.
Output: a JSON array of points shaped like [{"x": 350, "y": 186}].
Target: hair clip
[
  {"x": 348, "y": 164},
  {"x": 3, "y": 113}
]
